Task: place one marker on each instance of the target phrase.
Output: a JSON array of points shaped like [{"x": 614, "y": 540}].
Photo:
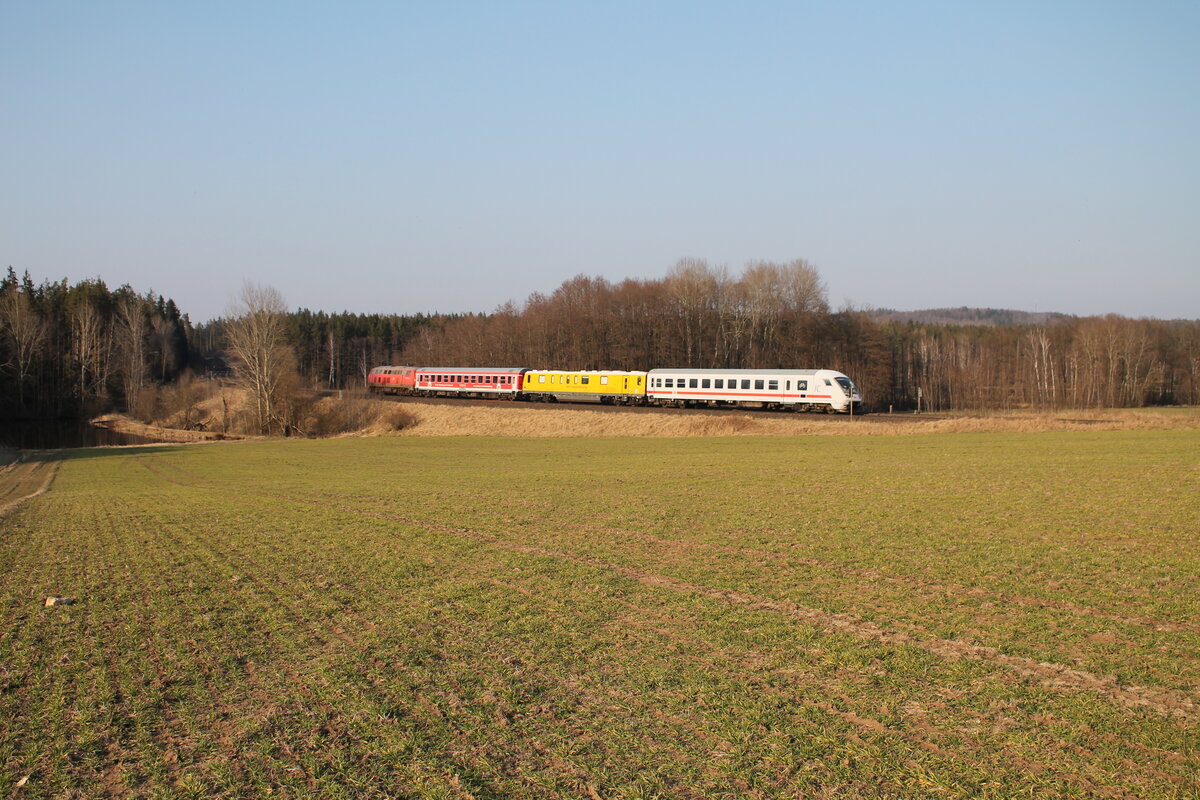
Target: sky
[{"x": 405, "y": 157}]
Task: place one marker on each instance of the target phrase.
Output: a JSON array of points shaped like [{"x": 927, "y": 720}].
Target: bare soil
[{"x": 123, "y": 424}]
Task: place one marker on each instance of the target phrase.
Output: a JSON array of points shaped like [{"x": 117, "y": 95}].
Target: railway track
[{"x": 462, "y": 402}]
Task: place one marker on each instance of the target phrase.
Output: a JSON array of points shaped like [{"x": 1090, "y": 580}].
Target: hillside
[{"x": 989, "y": 317}]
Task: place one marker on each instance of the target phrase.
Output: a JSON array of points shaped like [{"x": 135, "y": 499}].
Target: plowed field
[{"x": 969, "y": 615}]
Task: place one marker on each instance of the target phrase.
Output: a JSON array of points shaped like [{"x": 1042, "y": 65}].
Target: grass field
[{"x": 969, "y": 615}]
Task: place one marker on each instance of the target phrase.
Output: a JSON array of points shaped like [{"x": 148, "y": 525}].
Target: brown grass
[
  {"x": 163, "y": 433},
  {"x": 537, "y": 422},
  {"x": 226, "y": 412}
]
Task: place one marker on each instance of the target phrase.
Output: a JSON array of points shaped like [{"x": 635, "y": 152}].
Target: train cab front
[{"x": 851, "y": 401}]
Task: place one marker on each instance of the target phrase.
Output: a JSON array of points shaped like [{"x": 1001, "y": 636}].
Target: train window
[
  {"x": 584, "y": 380},
  {"x": 541, "y": 378},
  {"x": 758, "y": 384},
  {"x": 706, "y": 384},
  {"x": 639, "y": 382},
  {"x": 773, "y": 385},
  {"x": 827, "y": 383},
  {"x": 668, "y": 382},
  {"x": 746, "y": 384},
  {"x": 604, "y": 380},
  {"x": 693, "y": 383},
  {"x": 720, "y": 383},
  {"x": 802, "y": 386}
]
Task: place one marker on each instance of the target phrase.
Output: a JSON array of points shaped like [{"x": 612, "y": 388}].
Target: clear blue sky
[{"x": 450, "y": 156}]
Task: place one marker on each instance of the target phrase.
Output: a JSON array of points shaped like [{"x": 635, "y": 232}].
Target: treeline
[
  {"x": 1074, "y": 362},
  {"x": 777, "y": 315},
  {"x": 332, "y": 351},
  {"x": 69, "y": 350}
]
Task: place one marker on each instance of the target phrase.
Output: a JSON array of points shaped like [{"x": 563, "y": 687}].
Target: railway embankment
[{"x": 352, "y": 414}]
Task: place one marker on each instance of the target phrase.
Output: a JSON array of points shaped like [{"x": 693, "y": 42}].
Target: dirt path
[{"x": 25, "y": 479}]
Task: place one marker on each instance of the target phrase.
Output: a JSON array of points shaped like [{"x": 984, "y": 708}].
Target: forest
[
  {"x": 75, "y": 350},
  {"x": 777, "y": 315}
]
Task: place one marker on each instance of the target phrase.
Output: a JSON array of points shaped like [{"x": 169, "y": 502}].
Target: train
[{"x": 819, "y": 390}]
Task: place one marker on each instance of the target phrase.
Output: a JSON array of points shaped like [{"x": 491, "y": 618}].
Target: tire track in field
[
  {"x": 636, "y": 708},
  {"x": 316, "y": 639},
  {"x": 938, "y": 591},
  {"x": 934, "y": 590},
  {"x": 841, "y": 710},
  {"x": 524, "y": 755},
  {"x": 1057, "y": 676},
  {"x": 17, "y": 482},
  {"x": 180, "y": 751},
  {"x": 1167, "y": 702},
  {"x": 923, "y": 737},
  {"x": 327, "y": 636}
]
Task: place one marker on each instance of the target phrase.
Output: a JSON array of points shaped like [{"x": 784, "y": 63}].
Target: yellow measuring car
[{"x": 625, "y": 388}]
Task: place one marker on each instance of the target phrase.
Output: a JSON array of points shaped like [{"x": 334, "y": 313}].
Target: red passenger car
[
  {"x": 477, "y": 381},
  {"x": 391, "y": 380}
]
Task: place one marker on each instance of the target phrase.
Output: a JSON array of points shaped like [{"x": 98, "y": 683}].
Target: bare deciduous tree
[
  {"x": 692, "y": 286},
  {"x": 130, "y": 323},
  {"x": 25, "y": 331},
  {"x": 91, "y": 358},
  {"x": 261, "y": 357}
]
